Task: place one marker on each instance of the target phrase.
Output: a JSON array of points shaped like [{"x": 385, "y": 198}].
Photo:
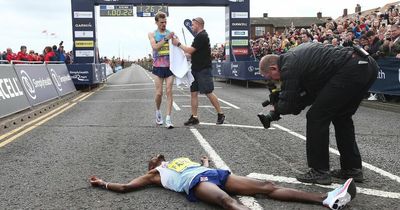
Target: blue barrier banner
[
  {"x": 36, "y": 81},
  {"x": 81, "y": 74},
  {"x": 388, "y": 80},
  {"x": 12, "y": 96},
  {"x": 61, "y": 79},
  {"x": 241, "y": 70},
  {"x": 85, "y": 74}
]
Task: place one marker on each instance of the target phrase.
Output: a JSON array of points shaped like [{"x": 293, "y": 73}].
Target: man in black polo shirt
[{"x": 201, "y": 70}]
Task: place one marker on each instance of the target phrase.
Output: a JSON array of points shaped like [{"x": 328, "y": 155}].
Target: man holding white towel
[{"x": 201, "y": 70}]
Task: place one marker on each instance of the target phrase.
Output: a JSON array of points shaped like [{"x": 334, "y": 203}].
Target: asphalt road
[{"x": 112, "y": 133}]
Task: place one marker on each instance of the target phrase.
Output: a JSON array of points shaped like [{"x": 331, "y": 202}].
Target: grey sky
[{"x": 25, "y": 20}]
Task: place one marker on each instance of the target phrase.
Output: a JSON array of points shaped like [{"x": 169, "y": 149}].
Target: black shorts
[
  {"x": 203, "y": 81},
  {"x": 162, "y": 72}
]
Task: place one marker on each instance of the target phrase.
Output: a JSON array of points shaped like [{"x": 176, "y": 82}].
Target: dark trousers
[{"x": 337, "y": 102}]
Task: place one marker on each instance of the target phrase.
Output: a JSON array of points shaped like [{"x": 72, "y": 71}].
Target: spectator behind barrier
[
  {"x": 49, "y": 55},
  {"x": 10, "y": 55},
  {"x": 391, "y": 45},
  {"x": 22, "y": 56}
]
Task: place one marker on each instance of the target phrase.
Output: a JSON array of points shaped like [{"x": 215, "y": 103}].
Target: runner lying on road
[{"x": 215, "y": 185}]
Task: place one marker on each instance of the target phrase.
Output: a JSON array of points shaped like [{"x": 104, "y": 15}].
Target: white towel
[{"x": 179, "y": 66}]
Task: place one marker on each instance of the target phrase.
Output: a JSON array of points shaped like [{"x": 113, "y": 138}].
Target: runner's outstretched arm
[{"x": 148, "y": 179}]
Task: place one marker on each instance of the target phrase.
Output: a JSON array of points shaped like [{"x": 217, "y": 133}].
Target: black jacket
[{"x": 304, "y": 72}]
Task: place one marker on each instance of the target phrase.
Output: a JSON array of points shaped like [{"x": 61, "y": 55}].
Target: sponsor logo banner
[
  {"x": 239, "y": 15},
  {"x": 240, "y": 51},
  {"x": 12, "y": 97},
  {"x": 240, "y": 42},
  {"x": 36, "y": 82},
  {"x": 84, "y": 53},
  {"x": 239, "y": 24},
  {"x": 84, "y": 43},
  {"x": 61, "y": 79},
  {"x": 83, "y": 14},
  {"x": 242, "y": 33},
  {"x": 83, "y": 34},
  {"x": 83, "y": 25}
]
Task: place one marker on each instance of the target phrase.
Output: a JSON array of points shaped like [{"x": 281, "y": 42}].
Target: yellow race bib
[
  {"x": 164, "y": 50},
  {"x": 180, "y": 164}
]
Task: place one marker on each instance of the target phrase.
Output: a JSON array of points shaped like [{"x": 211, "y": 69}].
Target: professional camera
[{"x": 266, "y": 119}]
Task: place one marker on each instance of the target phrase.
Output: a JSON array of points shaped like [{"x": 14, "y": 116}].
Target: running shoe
[
  {"x": 192, "y": 121},
  {"x": 168, "y": 122},
  {"x": 220, "y": 119},
  {"x": 159, "y": 120},
  {"x": 341, "y": 196}
]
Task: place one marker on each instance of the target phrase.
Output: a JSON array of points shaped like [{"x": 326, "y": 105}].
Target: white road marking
[
  {"x": 219, "y": 163},
  {"x": 334, "y": 151},
  {"x": 148, "y": 75},
  {"x": 176, "y": 107},
  {"x": 237, "y": 126},
  {"x": 124, "y": 85},
  {"x": 206, "y": 106},
  {"x": 229, "y": 104},
  {"x": 138, "y": 89},
  {"x": 290, "y": 180},
  {"x": 200, "y": 96}
]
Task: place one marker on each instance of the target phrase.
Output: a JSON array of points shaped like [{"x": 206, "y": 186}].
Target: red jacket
[
  {"x": 21, "y": 56},
  {"x": 49, "y": 55},
  {"x": 10, "y": 56}
]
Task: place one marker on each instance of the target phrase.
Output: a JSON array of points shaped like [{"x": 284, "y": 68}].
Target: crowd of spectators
[
  {"x": 377, "y": 33},
  {"x": 49, "y": 54}
]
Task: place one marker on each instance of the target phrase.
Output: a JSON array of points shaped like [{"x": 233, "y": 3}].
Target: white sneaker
[
  {"x": 168, "y": 122},
  {"x": 341, "y": 196},
  {"x": 159, "y": 119},
  {"x": 372, "y": 97}
]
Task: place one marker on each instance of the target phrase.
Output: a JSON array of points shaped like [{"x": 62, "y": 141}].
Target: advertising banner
[
  {"x": 36, "y": 82},
  {"x": 388, "y": 79},
  {"x": 61, "y": 78},
  {"x": 81, "y": 74},
  {"x": 12, "y": 96},
  {"x": 242, "y": 70}
]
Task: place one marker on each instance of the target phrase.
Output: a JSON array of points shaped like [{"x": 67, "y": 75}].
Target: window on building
[{"x": 260, "y": 31}]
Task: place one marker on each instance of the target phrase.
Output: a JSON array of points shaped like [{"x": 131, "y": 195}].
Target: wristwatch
[
  {"x": 166, "y": 39},
  {"x": 179, "y": 44}
]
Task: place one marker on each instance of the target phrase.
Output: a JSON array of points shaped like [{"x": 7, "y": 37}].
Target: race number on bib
[{"x": 180, "y": 164}]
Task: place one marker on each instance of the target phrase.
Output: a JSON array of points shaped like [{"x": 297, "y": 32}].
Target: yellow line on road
[
  {"x": 2, "y": 144},
  {"x": 41, "y": 120},
  {"x": 32, "y": 122}
]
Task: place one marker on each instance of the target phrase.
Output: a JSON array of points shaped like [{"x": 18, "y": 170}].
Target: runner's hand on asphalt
[{"x": 96, "y": 182}]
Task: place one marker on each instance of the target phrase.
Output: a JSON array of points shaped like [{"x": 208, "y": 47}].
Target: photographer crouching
[{"x": 333, "y": 80}]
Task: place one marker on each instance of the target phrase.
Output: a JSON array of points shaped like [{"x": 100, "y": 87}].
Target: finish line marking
[
  {"x": 334, "y": 151},
  {"x": 229, "y": 104},
  {"x": 219, "y": 163},
  {"x": 289, "y": 180},
  {"x": 236, "y": 126}
]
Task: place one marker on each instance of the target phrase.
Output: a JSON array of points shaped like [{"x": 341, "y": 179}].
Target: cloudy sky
[{"x": 24, "y": 23}]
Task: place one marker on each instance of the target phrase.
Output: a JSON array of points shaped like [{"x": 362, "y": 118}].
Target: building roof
[
  {"x": 287, "y": 21},
  {"x": 372, "y": 11}
]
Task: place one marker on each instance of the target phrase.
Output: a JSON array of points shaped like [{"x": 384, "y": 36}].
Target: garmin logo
[
  {"x": 240, "y": 24},
  {"x": 83, "y": 25},
  {"x": 9, "y": 88}
]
